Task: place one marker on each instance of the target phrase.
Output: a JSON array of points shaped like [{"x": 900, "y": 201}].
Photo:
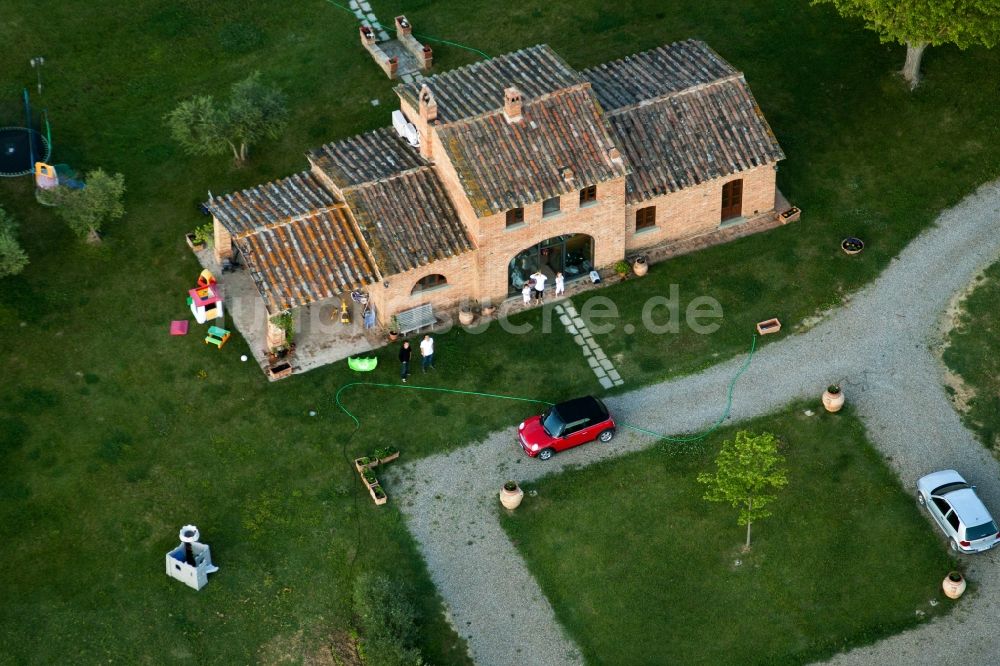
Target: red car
[{"x": 564, "y": 426}]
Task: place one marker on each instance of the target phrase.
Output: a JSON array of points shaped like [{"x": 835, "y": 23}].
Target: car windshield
[
  {"x": 552, "y": 423},
  {"x": 980, "y": 531}
]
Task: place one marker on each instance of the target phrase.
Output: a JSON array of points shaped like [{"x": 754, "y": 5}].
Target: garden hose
[{"x": 660, "y": 436}]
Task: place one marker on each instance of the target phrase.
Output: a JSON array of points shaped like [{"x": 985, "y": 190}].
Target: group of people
[
  {"x": 535, "y": 287},
  {"x": 426, "y": 356}
]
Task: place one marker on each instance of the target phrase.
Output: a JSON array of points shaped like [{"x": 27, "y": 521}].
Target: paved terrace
[{"x": 878, "y": 345}]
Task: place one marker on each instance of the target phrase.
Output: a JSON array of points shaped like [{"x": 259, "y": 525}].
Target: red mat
[{"x": 179, "y": 327}]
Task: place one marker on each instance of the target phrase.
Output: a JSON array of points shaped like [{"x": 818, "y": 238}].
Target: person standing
[
  {"x": 539, "y": 278},
  {"x": 560, "y": 285},
  {"x": 526, "y": 293},
  {"x": 404, "y": 360},
  {"x": 427, "y": 353}
]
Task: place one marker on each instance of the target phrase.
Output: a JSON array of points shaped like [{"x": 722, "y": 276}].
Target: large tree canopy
[
  {"x": 922, "y": 23},
  {"x": 254, "y": 112},
  {"x": 99, "y": 202}
]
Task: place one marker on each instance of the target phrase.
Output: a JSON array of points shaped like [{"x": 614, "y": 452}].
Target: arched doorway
[{"x": 571, "y": 254}]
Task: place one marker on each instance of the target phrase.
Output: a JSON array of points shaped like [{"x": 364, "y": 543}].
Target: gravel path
[{"x": 878, "y": 346}]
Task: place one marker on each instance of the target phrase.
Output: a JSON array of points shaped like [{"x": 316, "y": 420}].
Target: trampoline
[{"x": 20, "y": 148}]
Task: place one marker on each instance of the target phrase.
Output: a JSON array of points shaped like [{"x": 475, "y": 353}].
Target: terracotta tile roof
[
  {"x": 690, "y": 137},
  {"x": 504, "y": 165},
  {"x": 258, "y": 207},
  {"x": 478, "y": 88},
  {"x": 366, "y": 158},
  {"x": 408, "y": 221},
  {"x": 655, "y": 73},
  {"x": 307, "y": 258}
]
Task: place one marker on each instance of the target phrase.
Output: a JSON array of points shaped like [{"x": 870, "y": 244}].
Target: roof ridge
[
  {"x": 480, "y": 64},
  {"x": 371, "y": 183},
  {"x": 291, "y": 219},
  {"x": 736, "y": 76},
  {"x": 526, "y": 102}
]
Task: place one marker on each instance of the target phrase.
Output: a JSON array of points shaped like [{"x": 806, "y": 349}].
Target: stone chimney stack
[
  {"x": 567, "y": 175},
  {"x": 367, "y": 36},
  {"x": 512, "y": 104}
]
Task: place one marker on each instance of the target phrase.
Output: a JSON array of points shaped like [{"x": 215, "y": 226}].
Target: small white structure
[
  {"x": 190, "y": 562},
  {"x": 405, "y": 129}
]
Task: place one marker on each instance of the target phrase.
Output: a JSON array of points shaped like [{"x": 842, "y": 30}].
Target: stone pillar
[
  {"x": 428, "y": 59},
  {"x": 223, "y": 242},
  {"x": 403, "y": 26},
  {"x": 275, "y": 336}
]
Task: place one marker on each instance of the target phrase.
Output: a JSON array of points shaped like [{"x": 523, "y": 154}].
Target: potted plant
[
  {"x": 202, "y": 237},
  {"x": 953, "y": 585},
  {"x": 488, "y": 309},
  {"x": 466, "y": 315},
  {"x": 386, "y": 454},
  {"x": 640, "y": 267},
  {"x": 511, "y": 495},
  {"x": 621, "y": 267},
  {"x": 833, "y": 398},
  {"x": 393, "y": 328},
  {"x": 852, "y": 245}
]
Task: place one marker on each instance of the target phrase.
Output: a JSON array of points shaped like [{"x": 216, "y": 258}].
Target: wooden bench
[{"x": 416, "y": 318}]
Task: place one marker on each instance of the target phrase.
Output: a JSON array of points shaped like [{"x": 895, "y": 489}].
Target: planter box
[
  {"x": 378, "y": 500},
  {"x": 361, "y": 468},
  {"x": 279, "y": 370},
  {"x": 790, "y": 215},
  {"x": 196, "y": 247},
  {"x": 768, "y": 326},
  {"x": 389, "y": 458}
]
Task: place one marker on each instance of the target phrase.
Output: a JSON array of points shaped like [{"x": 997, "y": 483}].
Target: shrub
[
  {"x": 12, "y": 257},
  {"x": 387, "y": 621}
]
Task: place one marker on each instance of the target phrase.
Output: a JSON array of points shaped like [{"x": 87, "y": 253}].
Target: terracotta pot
[
  {"x": 833, "y": 401},
  {"x": 511, "y": 499},
  {"x": 466, "y": 317},
  {"x": 393, "y": 336},
  {"x": 489, "y": 310},
  {"x": 640, "y": 267},
  {"x": 953, "y": 589}
]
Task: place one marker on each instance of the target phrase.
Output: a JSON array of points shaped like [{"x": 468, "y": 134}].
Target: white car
[{"x": 954, "y": 505}]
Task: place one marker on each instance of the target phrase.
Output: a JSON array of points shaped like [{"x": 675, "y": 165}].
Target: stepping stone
[
  {"x": 614, "y": 375},
  {"x": 359, "y": 14},
  {"x": 586, "y": 332},
  {"x": 619, "y": 382},
  {"x": 365, "y": 6},
  {"x": 371, "y": 17},
  {"x": 564, "y": 319},
  {"x": 599, "y": 353},
  {"x": 592, "y": 362},
  {"x": 607, "y": 364},
  {"x": 578, "y": 321},
  {"x": 571, "y": 330},
  {"x": 587, "y": 352},
  {"x": 600, "y": 373},
  {"x": 606, "y": 383},
  {"x": 384, "y": 36},
  {"x": 578, "y": 340}
]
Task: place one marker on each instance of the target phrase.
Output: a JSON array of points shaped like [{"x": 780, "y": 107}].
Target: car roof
[
  {"x": 970, "y": 509},
  {"x": 578, "y": 409}
]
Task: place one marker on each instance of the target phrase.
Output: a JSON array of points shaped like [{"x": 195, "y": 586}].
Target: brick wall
[
  {"x": 698, "y": 210},
  {"x": 463, "y": 283},
  {"x": 223, "y": 241}
]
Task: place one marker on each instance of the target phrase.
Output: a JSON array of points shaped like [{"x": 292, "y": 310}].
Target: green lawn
[
  {"x": 113, "y": 434},
  {"x": 641, "y": 570},
  {"x": 971, "y": 354}
]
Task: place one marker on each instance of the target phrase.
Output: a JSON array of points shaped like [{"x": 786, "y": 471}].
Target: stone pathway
[
  {"x": 877, "y": 346},
  {"x": 599, "y": 362}
]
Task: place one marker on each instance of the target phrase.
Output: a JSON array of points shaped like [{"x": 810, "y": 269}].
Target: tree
[
  {"x": 254, "y": 112},
  {"x": 922, "y": 23},
  {"x": 85, "y": 210},
  {"x": 747, "y": 468},
  {"x": 12, "y": 257}
]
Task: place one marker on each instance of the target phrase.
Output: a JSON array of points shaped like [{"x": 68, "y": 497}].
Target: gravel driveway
[{"x": 877, "y": 345}]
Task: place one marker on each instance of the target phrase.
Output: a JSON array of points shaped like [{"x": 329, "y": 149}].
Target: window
[
  {"x": 550, "y": 206},
  {"x": 942, "y": 506},
  {"x": 952, "y": 520},
  {"x": 588, "y": 195},
  {"x": 515, "y": 216},
  {"x": 429, "y": 282},
  {"x": 645, "y": 218}
]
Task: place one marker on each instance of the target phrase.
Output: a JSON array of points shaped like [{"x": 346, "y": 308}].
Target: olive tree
[
  {"x": 86, "y": 210},
  {"x": 922, "y": 23},
  {"x": 748, "y": 469},
  {"x": 254, "y": 112}
]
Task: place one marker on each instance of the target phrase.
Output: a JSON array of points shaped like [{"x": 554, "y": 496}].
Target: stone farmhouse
[{"x": 523, "y": 164}]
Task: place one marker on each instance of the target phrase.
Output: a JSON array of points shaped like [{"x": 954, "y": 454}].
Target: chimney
[
  {"x": 512, "y": 104},
  {"x": 567, "y": 175},
  {"x": 403, "y": 26},
  {"x": 428, "y": 107},
  {"x": 614, "y": 154}
]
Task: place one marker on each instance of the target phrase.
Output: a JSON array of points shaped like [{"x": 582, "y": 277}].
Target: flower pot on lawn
[
  {"x": 489, "y": 310},
  {"x": 511, "y": 495},
  {"x": 466, "y": 316},
  {"x": 833, "y": 398},
  {"x": 852, "y": 245},
  {"x": 193, "y": 244},
  {"x": 640, "y": 267},
  {"x": 953, "y": 585}
]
